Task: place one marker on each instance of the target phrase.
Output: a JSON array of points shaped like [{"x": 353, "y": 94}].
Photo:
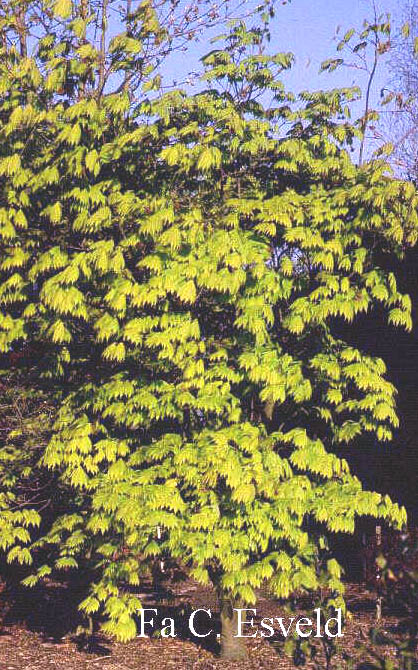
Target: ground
[{"x": 36, "y": 635}]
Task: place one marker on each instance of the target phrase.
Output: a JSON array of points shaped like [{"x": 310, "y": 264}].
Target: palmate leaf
[
  {"x": 62, "y": 8},
  {"x": 210, "y": 157}
]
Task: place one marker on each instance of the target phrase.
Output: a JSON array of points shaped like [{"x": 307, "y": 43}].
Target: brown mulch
[{"x": 29, "y": 643}]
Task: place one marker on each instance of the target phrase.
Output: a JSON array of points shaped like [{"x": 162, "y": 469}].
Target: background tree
[
  {"x": 389, "y": 116},
  {"x": 402, "y": 123},
  {"x": 388, "y": 128}
]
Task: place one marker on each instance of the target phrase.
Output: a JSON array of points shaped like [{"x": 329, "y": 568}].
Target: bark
[
  {"x": 22, "y": 31},
  {"x": 102, "y": 59},
  {"x": 378, "y": 575},
  {"x": 232, "y": 648}
]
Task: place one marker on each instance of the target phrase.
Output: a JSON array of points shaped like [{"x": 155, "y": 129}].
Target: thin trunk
[
  {"x": 368, "y": 90},
  {"x": 102, "y": 63},
  {"x": 22, "y": 31},
  {"x": 129, "y": 31},
  {"x": 83, "y": 15},
  {"x": 367, "y": 109},
  {"x": 378, "y": 575},
  {"x": 232, "y": 648}
]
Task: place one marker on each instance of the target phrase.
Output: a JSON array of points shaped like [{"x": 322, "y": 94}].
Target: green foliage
[{"x": 180, "y": 267}]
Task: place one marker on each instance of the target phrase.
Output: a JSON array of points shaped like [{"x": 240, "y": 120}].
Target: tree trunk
[
  {"x": 378, "y": 575},
  {"x": 232, "y": 648}
]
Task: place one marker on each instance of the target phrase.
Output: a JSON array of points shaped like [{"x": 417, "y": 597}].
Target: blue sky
[{"x": 306, "y": 28}]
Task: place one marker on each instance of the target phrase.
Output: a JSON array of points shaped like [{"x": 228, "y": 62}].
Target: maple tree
[{"x": 172, "y": 270}]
